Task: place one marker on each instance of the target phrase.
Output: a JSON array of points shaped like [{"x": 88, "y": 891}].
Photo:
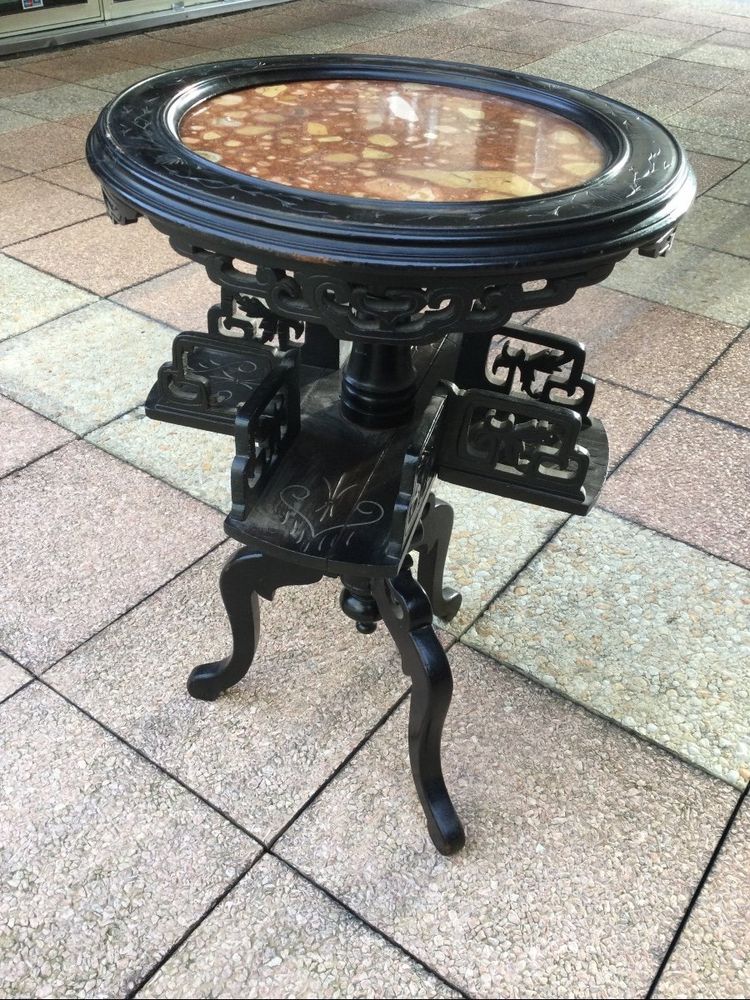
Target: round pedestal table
[{"x": 372, "y": 225}]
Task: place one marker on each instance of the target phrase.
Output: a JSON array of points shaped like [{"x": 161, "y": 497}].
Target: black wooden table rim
[{"x": 370, "y": 350}]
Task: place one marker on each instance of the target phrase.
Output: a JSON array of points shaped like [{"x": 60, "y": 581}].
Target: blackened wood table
[{"x": 373, "y": 224}]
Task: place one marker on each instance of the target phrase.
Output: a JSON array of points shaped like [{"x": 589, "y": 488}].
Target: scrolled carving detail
[
  {"x": 265, "y": 426},
  {"x": 351, "y": 309},
  {"x": 512, "y": 440}
]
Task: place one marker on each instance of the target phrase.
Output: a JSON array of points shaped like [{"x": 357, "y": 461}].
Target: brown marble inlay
[{"x": 393, "y": 140}]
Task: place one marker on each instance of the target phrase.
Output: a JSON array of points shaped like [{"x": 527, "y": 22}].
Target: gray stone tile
[
  {"x": 55, "y": 103},
  {"x": 710, "y": 170},
  {"x": 86, "y": 367},
  {"x": 671, "y": 28},
  {"x": 722, "y": 392},
  {"x": 712, "y": 958},
  {"x": 716, "y": 145},
  {"x": 575, "y": 830},
  {"x": 76, "y": 176},
  {"x": 724, "y": 113},
  {"x": 478, "y": 55},
  {"x": 192, "y": 460},
  {"x": 98, "y": 255},
  {"x": 327, "y": 36},
  {"x": 646, "y": 346},
  {"x": 658, "y": 100},
  {"x": 492, "y": 538},
  {"x": 28, "y": 297},
  {"x": 193, "y": 57},
  {"x": 54, "y": 208},
  {"x": 179, "y": 298},
  {"x": 12, "y": 121},
  {"x": 106, "y": 861},
  {"x": 276, "y": 935},
  {"x": 627, "y": 417},
  {"x": 718, "y": 225},
  {"x": 144, "y": 48},
  {"x": 79, "y": 64},
  {"x": 47, "y": 144},
  {"x": 12, "y": 677},
  {"x": 588, "y": 65},
  {"x": 643, "y": 40},
  {"x": 610, "y": 19},
  {"x": 690, "y": 479},
  {"x": 114, "y": 83},
  {"x": 85, "y": 538},
  {"x": 735, "y": 188},
  {"x": 738, "y": 38},
  {"x": 26, "y": 436},
  {"x": 677, "y": 71},
  {"x": 639, "y": 628},
  {"x": 718, "y": 55},
  {"x": 315, "y": 689},
  {"x": 702, "y": 281}
]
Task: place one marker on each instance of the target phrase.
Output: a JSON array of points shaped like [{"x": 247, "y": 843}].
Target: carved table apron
[{"x": 395, "y": 214}]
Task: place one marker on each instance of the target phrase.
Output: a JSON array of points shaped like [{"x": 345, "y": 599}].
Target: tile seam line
[
  {"x": 655, "y": 17},
  {"x": 39, "y": 170},
  {"x": 37, "y": 458},
  {"x": 106, "y": 297},
  {"x": 153, "y": 763},
  {"x": 703, "y": 246},
  {"x": 4, "y": 101},
  {"x": 375, "y": 728},
  {"x": 508, "y": 583},
  {"x": 83, "y": 437},
  {"x": 703, "y": 131},
  {"x": 182, "y": 939},
  {"x": 678, "y": 402},
  {"x": 126, "y": 461},
  {"x": 68, "y": 312},
  {"x": 7, "y": 698},
  {"x": 672, "y": 538},
  {"x": 726, "y": 177},
  {"x": 719, "y": 357},
  {"x": 43, "y": 671},
  {"x": 697, "y": 893},
  {"x": 363, "y": 920},
  {"x": 264, "y": 849},
  {"x": 9, "y": 656},
  {"x": 608, "y": 380},
  {"x": 82, "y": 81},
  {"x": 609, "y": 719},
  {"x": 57, "y": 229},
  {"x": 714, "y": 419}
]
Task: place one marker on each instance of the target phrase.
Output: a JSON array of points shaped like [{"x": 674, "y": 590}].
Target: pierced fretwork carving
[
  {"x": 248, "y": 314},
  {"x": 553, "y": 374},
  {"x": 265, "y": 426},
  {"x": 242, "y": 308},
  {"x": 516, "y": 446},
  {"x": 208, "y": 378},
  {"x": 386, "y": 311}
]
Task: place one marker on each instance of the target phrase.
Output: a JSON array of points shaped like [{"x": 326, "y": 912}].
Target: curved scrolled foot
[
  {"x": 432, "y": 545},
  {"x": 407, "y": 614},
  {"x": 246, "y": 574}
]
